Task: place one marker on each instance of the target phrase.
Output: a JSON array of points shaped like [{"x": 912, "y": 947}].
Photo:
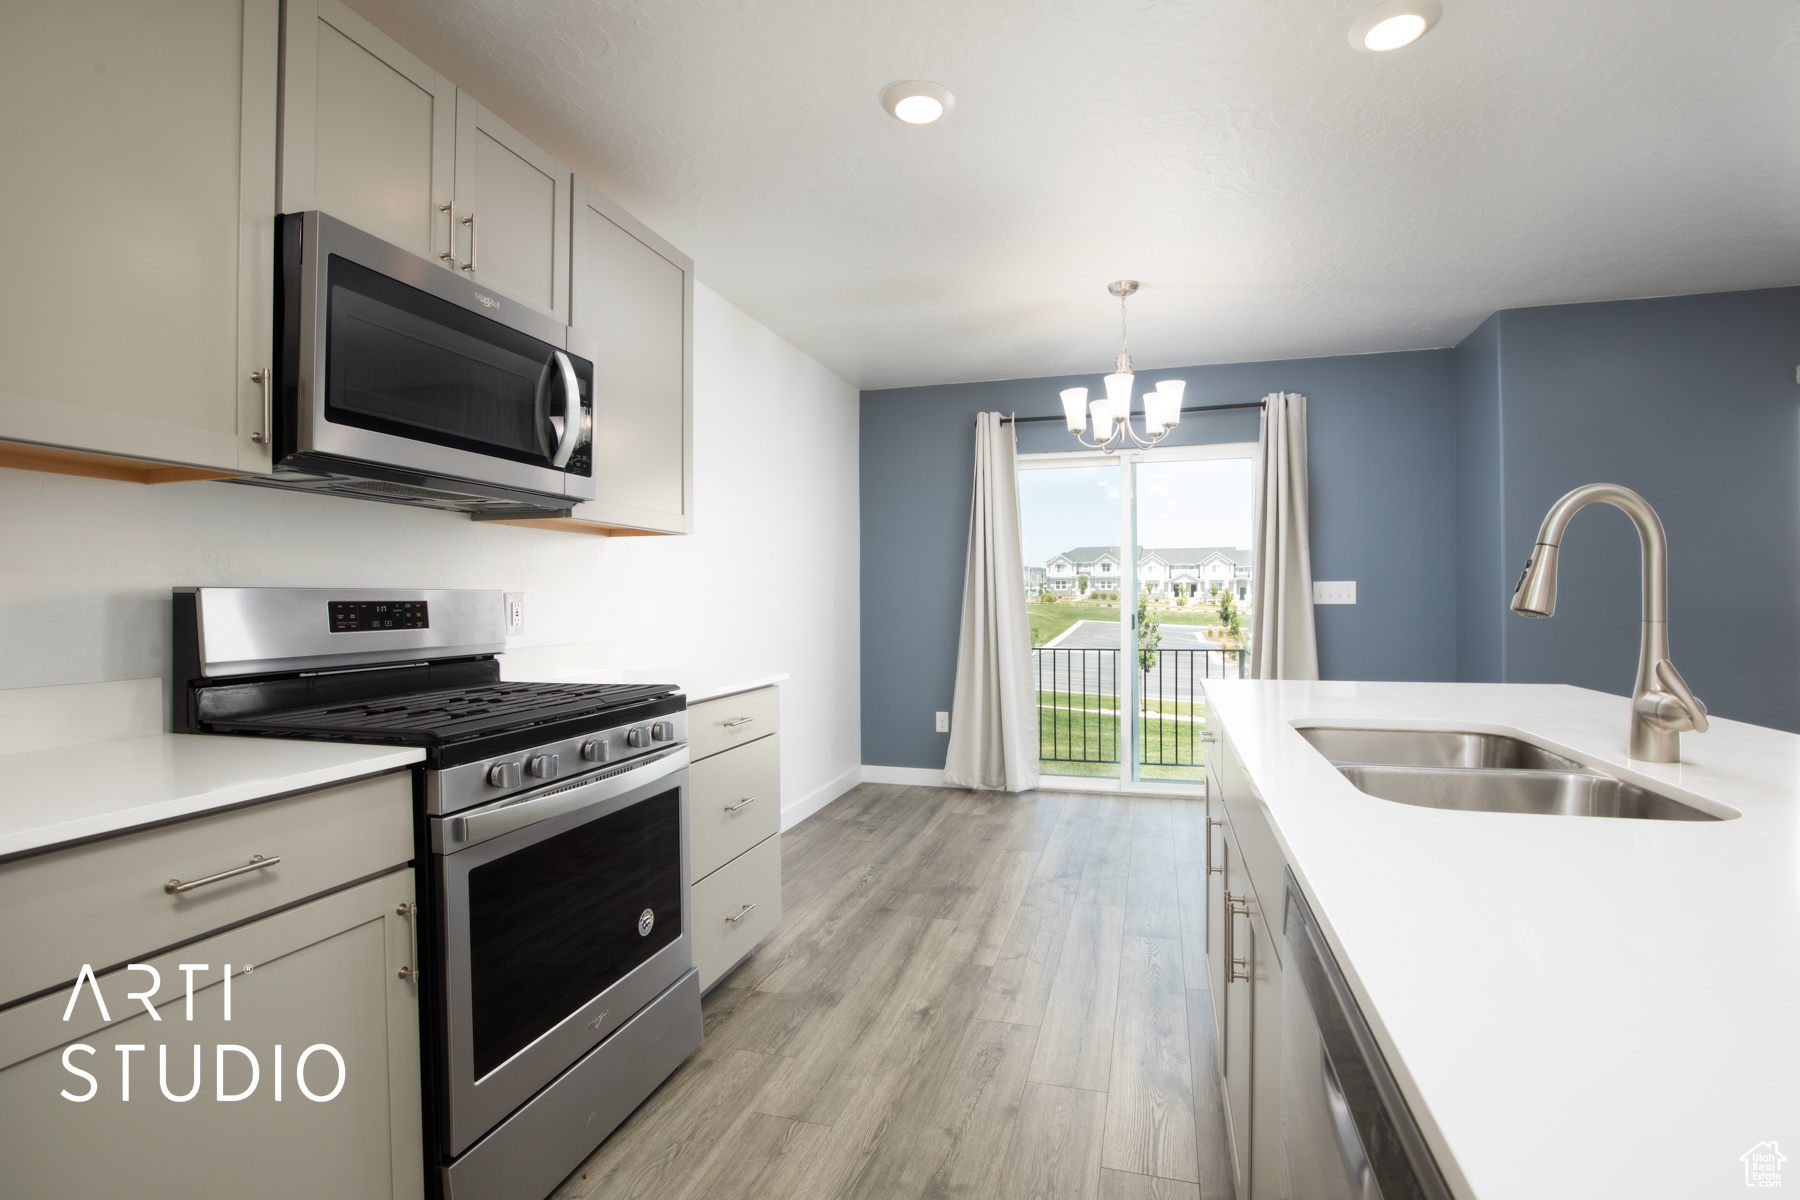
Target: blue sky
[{"x": 1204, "y": 503}]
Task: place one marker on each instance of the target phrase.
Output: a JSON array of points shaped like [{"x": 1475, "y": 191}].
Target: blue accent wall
[
  {"x": 1691, "y": 401},
  {"x": 1480, "y": 563},
  {"x": 1382, "y": 434}
]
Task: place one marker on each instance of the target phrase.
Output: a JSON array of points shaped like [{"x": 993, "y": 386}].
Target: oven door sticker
[
  {"x": 237, "y": 1070},
  {"x": 646, "y": 922}
]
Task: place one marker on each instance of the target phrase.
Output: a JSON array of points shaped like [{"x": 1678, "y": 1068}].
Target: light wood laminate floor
[{"x": 971, "y": 994}]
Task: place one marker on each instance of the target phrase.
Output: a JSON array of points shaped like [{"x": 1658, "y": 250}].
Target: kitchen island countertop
[{"x": 1582, "y": 1006}]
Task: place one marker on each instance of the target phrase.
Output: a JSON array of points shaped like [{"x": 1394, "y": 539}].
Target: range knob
[
  {"x": 595, "y": 750},
  {"x": 503, "y": 775},
  {"x": 663, "y": 731},
  {"x": 638, "y": 737},
  {"x": 544, "y": 766}
]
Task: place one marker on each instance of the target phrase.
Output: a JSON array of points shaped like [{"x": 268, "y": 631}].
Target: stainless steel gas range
[{"x": 555, "y": 977}]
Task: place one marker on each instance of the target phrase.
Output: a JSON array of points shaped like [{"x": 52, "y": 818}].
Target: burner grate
[{"x": 455, "y": 713}]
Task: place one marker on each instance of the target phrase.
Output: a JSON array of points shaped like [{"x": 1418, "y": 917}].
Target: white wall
[{"x": 86, "y": 565}]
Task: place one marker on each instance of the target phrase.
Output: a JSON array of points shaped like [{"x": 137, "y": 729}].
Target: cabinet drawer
[
  {"x": 735, "y": 802},
  {"x": 103, "y": 903},
  {"x": 752, "y": 878},
  {"x": 715, "y": 725}
]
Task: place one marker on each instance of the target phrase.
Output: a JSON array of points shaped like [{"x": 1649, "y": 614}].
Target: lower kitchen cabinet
[
  {"x": 1243, "y": 954},
  {"x": 265, "y": 1109},
  {"x": 735, "y": 821},
  {"x": 736, "y": 907}
]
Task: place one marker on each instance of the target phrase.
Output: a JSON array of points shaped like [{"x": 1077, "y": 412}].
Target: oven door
[
  {"x": 564, "y": 912},
  {"x": 399, "y": 363}
]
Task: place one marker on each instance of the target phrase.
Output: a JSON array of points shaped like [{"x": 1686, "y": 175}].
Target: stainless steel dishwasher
[{"x": 1346, "y": 1129}]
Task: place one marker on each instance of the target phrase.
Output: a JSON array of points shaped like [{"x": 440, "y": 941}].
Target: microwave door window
[{"x": 405, "y": 363}]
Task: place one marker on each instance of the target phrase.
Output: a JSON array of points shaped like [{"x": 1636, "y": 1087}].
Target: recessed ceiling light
[
  {"x": 1395, "y": 24},
  {"x": 917, "y": 101}
]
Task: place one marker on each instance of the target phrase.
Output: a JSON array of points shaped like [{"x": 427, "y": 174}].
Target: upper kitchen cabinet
[
  {"x": 512, "y": 211},
  {"x": 368, "y": 132},
  {"x": 138, "y": 199},
  {"x": 634, "y": 295}
]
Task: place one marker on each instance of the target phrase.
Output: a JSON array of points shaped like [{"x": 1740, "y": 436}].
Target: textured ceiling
[{"x": 1279, "y": 193}]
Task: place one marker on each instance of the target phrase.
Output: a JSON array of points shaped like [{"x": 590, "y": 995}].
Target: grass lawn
[
  {"x": 1048, "y": 620},
  {"x": 1171, "y": 734}
]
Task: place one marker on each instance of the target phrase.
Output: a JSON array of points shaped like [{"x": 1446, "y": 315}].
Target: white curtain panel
[
  {"x": 993, "y": 724},
  {"x": 1282, "y": 641}
]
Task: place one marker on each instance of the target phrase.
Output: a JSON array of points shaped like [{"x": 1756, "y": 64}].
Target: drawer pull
[
  {"x": 746, "y": 801},
  {"x": 257, "y": 862},
  {"x": 740, "y": 916},
  {"x": 739, "y": 721},
  {"x": 410, "y": 971}
]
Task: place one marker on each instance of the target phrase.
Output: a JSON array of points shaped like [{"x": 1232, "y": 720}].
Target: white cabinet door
[
  {"x": 633, "y": 293},
  {"x": 1239, "y": 954},
  {"x": 512, "y": 211},
  {"x": 368, "y": 132},
  {"x": 326, "y": 973},
  {"x": 1268, "y": 1165},
  {"x": 138, "y": 200}
]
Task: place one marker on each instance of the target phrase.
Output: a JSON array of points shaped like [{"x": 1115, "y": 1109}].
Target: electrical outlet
[
  {"x": 515, "y": 613},
  {"x": 1334, "y": 591},
  {"x": 943, "y": 722}
]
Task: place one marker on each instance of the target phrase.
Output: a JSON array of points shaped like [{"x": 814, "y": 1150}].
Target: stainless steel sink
[
  {"x": 1485, "y": 772},
  {"x": 1581, "y": 793},
  {"x": 1434, "y": 748}
]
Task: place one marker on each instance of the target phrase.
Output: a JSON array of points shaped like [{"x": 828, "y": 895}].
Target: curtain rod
[{"x": 1200, "y": 408}]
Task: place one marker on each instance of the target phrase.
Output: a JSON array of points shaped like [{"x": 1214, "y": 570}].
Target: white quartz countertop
[
  {"x": 698, "y": 686},
  {"x": 71, "y": 793},
  {"x": 1585, "y": 1007}
]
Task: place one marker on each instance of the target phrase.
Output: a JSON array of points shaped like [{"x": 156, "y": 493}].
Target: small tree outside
[
  {"x": 1081, "y": 582},
  {"x": 1149, "y": 636}
]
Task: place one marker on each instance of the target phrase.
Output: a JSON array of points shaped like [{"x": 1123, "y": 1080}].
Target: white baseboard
[
  {"x": 914, "y": 776},
  {"x": 818, "y": 798},
  {"x": 1100, "y": 783},
  {"x": 924, "y": 777}
]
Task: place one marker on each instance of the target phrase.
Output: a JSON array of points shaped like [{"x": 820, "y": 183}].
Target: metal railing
[{"x": 1078, "y": 703}]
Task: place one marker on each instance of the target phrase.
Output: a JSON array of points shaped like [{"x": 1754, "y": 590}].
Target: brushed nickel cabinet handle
[
  {"x": 1232, "y": 962},
  {"x": 740, "y": 916},
  {"x": 410, "y": 971},
  {"x": 449, "y": 254},
  {"x": 739, "y": 721},
  {"x": 470, "y": 222},
  {"x": 1210, "y": 869},
  {"x": 257, "y": 862},
  {"x": 746, "y": 801},
  {"x": 267, "y": 436}
]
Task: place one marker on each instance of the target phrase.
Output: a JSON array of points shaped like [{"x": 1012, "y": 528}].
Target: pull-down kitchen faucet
[{"x": 1661, "y": 704}]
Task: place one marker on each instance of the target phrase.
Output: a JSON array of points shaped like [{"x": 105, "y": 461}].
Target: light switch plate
[
  {"x": 1334, "y": 591},
  {"x": 515, "y": 613},
  {"x": 943, "y": 722}
]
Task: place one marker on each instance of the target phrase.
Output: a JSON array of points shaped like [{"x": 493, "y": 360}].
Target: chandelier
[{"x": 1111, "y": 415}]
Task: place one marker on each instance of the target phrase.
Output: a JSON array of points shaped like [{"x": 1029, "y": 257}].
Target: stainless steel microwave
[{"x": 402, "y": 381}]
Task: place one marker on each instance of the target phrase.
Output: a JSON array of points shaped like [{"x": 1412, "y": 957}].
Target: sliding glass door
[{"x": 1137, "y": 572}]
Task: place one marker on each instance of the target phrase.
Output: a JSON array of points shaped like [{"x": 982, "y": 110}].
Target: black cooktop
[{"x": 444, "y": 716}]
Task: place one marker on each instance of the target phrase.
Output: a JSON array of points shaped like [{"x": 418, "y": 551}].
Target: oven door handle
[{"x": 508, "y": 815}]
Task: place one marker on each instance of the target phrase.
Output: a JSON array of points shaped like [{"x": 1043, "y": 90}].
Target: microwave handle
[{"x": 571, "y": 430}]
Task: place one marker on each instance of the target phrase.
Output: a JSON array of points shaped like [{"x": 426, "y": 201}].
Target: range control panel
[{"x": 359, "y": 616}]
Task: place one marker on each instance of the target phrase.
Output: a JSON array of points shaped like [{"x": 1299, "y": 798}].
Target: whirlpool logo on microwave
[
  {"x": 487, "y": 301},
  {"x": 237, "y": 1071}
]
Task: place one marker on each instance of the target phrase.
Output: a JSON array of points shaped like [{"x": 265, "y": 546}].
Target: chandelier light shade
[
  {"x": 1074, "y": 402},
  {"x": 1111, "y": 416}
]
